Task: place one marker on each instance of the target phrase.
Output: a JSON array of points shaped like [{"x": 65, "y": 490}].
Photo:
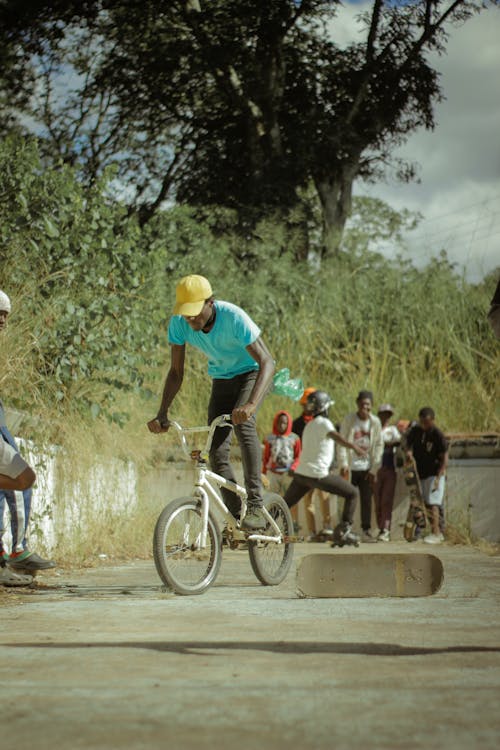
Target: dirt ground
[{"x": 104, "y": 658}]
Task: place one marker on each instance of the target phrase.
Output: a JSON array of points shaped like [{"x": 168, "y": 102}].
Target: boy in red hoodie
[{"x": 281, "y": 453}]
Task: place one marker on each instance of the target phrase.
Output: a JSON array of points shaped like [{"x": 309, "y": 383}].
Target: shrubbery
[{"x": 92, "y": 293}]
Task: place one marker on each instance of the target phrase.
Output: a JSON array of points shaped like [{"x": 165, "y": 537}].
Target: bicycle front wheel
[
  {"x": 181, "y": 564},
  {"x": 271, "y": 561}
]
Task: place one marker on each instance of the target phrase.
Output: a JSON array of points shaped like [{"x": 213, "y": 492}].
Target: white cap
[{"x": 4, "y": 302}]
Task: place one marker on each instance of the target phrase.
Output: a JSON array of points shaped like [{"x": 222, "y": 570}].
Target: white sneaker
[
  {"x": 384, "y": 536},
  {"x": 11, "y": 578},
  {"x": 433, "y": 539}
]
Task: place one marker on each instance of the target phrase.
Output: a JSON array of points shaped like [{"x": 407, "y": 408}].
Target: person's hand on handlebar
[
  {"x": 158, "y": 425},
  {"x": 243, "y": 413}
]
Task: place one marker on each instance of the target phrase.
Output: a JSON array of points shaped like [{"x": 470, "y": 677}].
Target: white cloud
[{"x": 459, "y": 189}]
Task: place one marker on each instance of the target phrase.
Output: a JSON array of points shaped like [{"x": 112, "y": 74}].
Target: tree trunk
[{"x": 335, "y": 195}]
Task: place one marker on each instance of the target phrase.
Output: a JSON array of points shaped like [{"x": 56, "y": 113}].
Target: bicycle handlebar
[{"x": 223, "y": 419}]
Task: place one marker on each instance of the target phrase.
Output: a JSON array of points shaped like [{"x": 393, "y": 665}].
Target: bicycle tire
[
  {"x": 271, "y": 561},
  {"x": 185, "y": 570}
]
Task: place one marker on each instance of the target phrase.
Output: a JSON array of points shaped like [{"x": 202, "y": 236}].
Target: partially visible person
[
  {"x": 281, "y": 453},
  {"x": 385, "y": 486},
  {"x": 18, "y": 498},
  {"x": 428, "y": 446},
  {"x": 314, "y": 468},
  {"x": 363, "y": 429},
  {"x": 15, "y": 476},
  {"x": 325, "y": 531},
  {"x": 494, "y": 312},
  {"x": 305, "y": 416}
]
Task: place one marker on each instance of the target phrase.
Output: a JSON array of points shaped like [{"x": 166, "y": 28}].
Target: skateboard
[
  {"x": 369, "y": 575},
  {"x": 416, "y": 520}
]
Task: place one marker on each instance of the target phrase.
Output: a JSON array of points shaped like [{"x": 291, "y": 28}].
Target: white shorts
[{"x": 433, "y": 497}]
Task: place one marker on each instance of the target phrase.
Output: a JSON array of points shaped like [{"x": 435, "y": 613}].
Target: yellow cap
[{"x": 190, "y": 295}]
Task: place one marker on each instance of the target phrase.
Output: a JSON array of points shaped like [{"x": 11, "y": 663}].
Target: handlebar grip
[{"x": 224, "y": 419}]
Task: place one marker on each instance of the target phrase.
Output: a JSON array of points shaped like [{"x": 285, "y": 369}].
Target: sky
[{"x": 459, "y": 190}]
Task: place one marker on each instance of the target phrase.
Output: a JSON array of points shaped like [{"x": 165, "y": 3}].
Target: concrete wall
[
  {"x": 61, "y": 507},
  {"x": 472, "y": 496}
]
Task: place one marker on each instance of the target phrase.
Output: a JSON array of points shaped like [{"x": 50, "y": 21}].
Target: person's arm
[
  {"x": 24, "y": 481},
  {"x": 377, "y": 451},
  {"x": 172, "y": 385},
  {"x": 408, "y": 445},
  {"x": 443, "y": 463},
  {"x": 346, "y": 444},
  {"x": 342, "y": 455},
  {"x": 261, "y": 354},
  {"x": 443, "y": 466}
]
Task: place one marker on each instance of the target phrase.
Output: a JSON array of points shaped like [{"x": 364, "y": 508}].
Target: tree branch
[
  {"x": 428, "y": 32},
  {"x": 372, "y": 34}
]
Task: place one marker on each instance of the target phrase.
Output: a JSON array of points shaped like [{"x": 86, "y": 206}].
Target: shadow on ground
[{"x": 280, "y": 647}]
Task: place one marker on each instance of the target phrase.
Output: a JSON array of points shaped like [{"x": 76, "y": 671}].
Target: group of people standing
[{"x": 299, "y": 458}]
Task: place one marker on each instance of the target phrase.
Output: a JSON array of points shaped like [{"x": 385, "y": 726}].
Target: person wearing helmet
[
  {"x": 16, "y": 480},
  {"x": 313, "y": 470},
  {"x": 325, "y": 531},
  {"x": 241, "y": 368}
]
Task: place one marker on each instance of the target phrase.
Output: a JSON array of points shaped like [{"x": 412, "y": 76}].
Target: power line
[
  {"x": 455, "y": 227},
  {"x": 461, "y": 210},
  {"x": 461, "y": 242}
]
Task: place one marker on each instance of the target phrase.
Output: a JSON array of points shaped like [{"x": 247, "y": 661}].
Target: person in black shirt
[{"x": 429, "y": 447}]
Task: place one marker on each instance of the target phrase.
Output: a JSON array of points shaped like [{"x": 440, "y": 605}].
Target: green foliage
[
  {"x": 80, "y": 272},
  {"x": 237, "y": 104},
  {"x": 92, "y": 295}
]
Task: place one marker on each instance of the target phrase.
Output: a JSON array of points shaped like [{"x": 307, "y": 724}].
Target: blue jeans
[{"x": 19, "y": 506}]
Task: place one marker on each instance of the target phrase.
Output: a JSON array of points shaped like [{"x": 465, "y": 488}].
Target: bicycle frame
[{"x": 208, "y": 483}]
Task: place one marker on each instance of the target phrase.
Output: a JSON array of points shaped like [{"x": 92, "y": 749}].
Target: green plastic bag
[{"x": 284, "y": 385}]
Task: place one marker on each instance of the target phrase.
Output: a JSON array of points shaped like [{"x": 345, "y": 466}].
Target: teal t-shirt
[{"x": 225, "y": 345}]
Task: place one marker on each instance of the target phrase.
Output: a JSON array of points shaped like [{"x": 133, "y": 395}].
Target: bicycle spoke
[
  {"x": 188, "y": 565},
  {"x": 270, "y": 560}
]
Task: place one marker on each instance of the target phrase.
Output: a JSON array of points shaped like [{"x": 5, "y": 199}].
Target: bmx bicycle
[{"x": 187, "y": 541}]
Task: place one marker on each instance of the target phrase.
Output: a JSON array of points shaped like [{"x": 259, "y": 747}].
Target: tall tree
[{"x": 242, "y": 104}]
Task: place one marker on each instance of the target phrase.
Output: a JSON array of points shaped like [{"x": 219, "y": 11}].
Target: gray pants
[{"x": 226, "y": 395}]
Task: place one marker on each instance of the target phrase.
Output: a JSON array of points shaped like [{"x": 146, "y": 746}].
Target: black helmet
[{"x": 319, "y": 401}]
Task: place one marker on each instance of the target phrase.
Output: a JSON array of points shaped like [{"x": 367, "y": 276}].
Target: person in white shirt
[
  {"x": 386, "y": 475},
  {"x": 316, "y": 458},
  {"x": 364, "y": 430}
]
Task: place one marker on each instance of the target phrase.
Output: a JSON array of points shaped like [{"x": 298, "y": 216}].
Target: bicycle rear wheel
[
  {"x": 181, "y": 565},
  {"x": 271, "y": 561}
]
